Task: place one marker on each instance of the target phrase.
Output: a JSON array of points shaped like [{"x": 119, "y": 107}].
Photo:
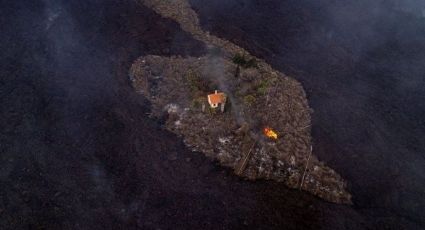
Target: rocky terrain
[{"x": 178, "y": 88}]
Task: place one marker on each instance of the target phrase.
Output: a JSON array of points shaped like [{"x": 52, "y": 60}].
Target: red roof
[{"x": 217, "y": 98}]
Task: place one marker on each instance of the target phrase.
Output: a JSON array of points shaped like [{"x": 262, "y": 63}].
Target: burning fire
[{"x": 270, "y": 133}]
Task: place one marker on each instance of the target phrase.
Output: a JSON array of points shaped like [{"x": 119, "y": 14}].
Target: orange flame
[{"x": 270, "y": 133}]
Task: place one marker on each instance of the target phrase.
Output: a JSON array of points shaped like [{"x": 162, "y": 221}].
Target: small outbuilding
[{"x": 217, "y": 99}]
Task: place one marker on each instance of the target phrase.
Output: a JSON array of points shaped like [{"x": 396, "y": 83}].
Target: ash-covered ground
[
  {"x": 256, "y": 96},
  {"x": 77, "y": 151}
]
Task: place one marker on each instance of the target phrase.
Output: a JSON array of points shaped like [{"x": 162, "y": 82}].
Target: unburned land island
[{"x": 249, "y": 118}]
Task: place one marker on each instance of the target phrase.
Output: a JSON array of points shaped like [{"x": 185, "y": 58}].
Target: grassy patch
[
  {"x": 194, "y": 81},
  {"x": 262, "y": 87},
  {"x": 249, "y": 100}
]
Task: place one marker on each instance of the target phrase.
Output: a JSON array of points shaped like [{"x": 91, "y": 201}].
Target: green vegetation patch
[
  {"x": 262, "y": 87},
  {"x": 198, "y": 85},
  {"x": 249, "y": 100},
  {"x": 242, "y": 61}
]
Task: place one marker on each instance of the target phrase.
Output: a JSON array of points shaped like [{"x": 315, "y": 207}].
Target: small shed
[{"x": 217, "y": 99}]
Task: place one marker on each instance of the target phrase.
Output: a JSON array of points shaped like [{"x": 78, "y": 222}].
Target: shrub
[
  {"x": 194, "y": 81},
  {"x": 249, "y": 100},
  {"x": 211, "y": 111},
  {"x": 251, "y": 63},
  {"x": 242, "y": 61},
  {"x": 262, "y": 87},
  {"x": 198, "y": 101},
  {"x": 239, "y": 59}
]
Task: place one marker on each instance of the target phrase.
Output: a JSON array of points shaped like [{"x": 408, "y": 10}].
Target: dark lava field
[{"x": 78, "y": 151}]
